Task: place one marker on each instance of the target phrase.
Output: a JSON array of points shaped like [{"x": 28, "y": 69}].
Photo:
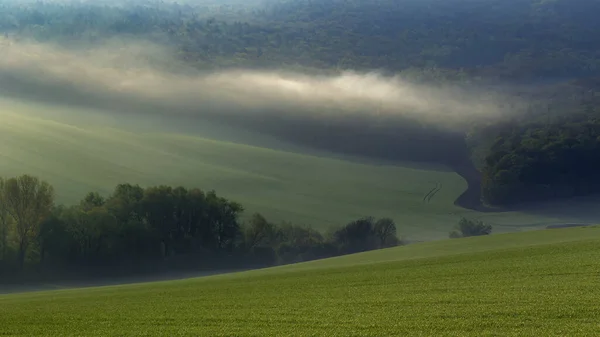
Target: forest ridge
[{"x": 546, "y": 153}]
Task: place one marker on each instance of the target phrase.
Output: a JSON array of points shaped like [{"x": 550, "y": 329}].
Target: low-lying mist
[{"x": 365, "y": 113}]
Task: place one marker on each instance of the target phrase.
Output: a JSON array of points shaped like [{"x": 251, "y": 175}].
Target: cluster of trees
[
  {"x": 504, "y": 38},
  {"x": 555, "y": 154},
  {"x": 289, "y": 243},
  {"x": 541, "y": 162},
  {"x": 161, "y": 224},
  {"x": 467, "y": 227},
  {"x": 24, "y": 201}
]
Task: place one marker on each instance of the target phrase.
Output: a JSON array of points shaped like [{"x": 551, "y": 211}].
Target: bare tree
[{"x": 28, "y": 201}]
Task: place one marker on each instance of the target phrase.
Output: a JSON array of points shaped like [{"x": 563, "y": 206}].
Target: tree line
[
  {"x": 542, "y": 162},
  {"x": 554, "y": 154},
  {"x": 515, "y": 39},
  {"x": 160, "y": 224}
]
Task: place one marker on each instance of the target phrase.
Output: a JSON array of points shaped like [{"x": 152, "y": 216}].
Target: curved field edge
[
  {"x": 86, "y": 153},
  {"x": 511, "y": 285},
  {"x": 444, "y": 248},
  {"x": 82, "y": 150}
]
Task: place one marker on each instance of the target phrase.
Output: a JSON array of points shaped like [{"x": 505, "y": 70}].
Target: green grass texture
[
  {"x": 537, "y": 283},
  {"x": 79, "y": 151}
]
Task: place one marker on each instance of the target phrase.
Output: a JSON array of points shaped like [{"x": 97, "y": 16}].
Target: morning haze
[
  {"x": 144, "y": 74},
  {"x": 299, "y": 167}
]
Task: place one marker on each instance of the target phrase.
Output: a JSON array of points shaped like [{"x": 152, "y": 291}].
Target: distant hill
[
  {"x": 517, "y": 38},
  {"x": 551, "y": 42}
]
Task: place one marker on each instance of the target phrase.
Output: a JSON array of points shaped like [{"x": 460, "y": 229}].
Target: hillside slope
[
  {"x": 517, "y": 42},
  {"x": 79, "y": 151},
  {"x": 91, "y": 152},
  {"x": 526, "y": 284}
]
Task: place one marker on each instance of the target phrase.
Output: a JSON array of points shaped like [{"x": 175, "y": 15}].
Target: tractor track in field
[{"x": 427, "y": 198}]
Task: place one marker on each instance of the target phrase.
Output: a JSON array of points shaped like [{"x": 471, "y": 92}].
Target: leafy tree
[
  {"x": 138, "y": 225},
  {"x": 92, "y": 200},
  {"x": 197, "y": 222},
  {"x": 300, "y": 243},
  {"x": 54, "y": 241},
  {"x": 158, "y": 207},
  {"x": 101, "y": 236},
  {"x": 385, "y": 231},
  {"x": 28, "y": 201},
  {"x": 259, "y": 232},
  {"x": 125, "y": 202},
  {"x": 356, "y": 236},
  {"x": 222, "y": 214}
]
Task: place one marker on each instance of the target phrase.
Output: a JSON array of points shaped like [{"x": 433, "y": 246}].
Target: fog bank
[{"x": 140, "y": 77}]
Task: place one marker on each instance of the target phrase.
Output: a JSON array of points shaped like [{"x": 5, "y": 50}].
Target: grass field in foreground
[
  {"x": 80, "y": 151},
  {"x": 541, "y": 283}
]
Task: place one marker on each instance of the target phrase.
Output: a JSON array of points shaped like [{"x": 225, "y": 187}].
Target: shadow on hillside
[
  {"x": 579, "y": 210},
  {"x": 77, "y": 281}
]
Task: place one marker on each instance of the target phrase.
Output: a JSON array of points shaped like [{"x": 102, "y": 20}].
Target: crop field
[
  {"x": 540, "y": 283},
  {"x": 80, "y": 151}
]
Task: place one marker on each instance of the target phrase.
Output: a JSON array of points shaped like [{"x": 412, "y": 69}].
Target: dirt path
[{"x": 427, "y": 198}]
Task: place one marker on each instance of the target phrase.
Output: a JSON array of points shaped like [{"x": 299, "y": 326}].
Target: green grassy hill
[
  {"x": 86, "y": 155},
  {"x": 521, "y": 41},
  {"x": 80, "y": 151},
  {"x": 519, "y": 284}
]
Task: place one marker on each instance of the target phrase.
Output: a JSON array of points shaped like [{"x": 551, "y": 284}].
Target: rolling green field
[
  {"x": 80, "y": 150},
  {"x": 540, "y": 283}
]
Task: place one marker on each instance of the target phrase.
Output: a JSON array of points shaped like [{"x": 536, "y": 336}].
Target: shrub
[{"x": 466, "y": 228}]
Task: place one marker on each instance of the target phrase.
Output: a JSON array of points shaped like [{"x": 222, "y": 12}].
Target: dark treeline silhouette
[
  {"x": 541, "y": 162},
  {"x": 517, "y": 38},
  {"x": 145, "y": 229},
  {"x": 552, "y": 155}
]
